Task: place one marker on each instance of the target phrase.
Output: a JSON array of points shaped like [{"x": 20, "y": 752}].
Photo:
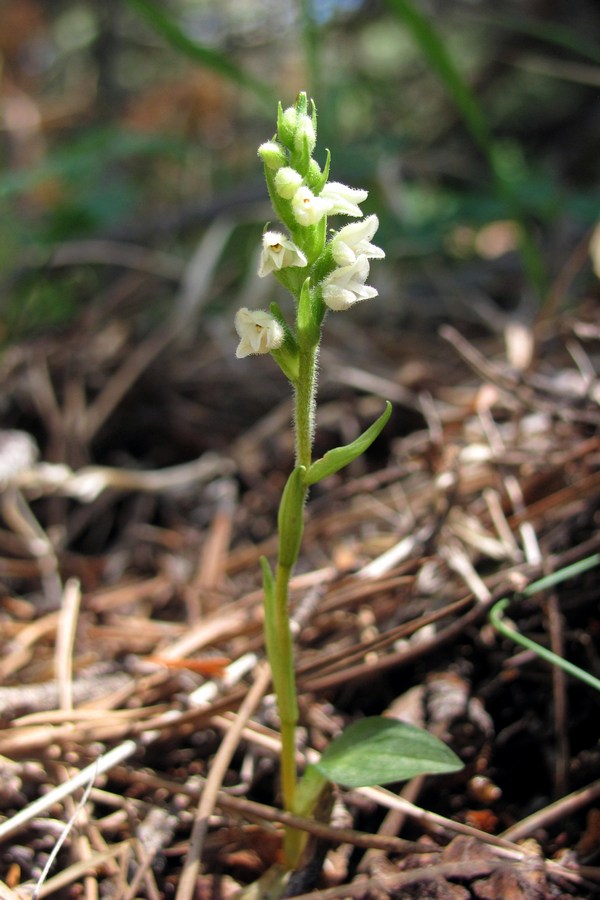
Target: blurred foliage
[{"x": 121, "y": 116}]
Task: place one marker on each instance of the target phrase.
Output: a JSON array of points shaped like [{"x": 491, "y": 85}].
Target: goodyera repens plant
[{"x": 322, "y": 270}]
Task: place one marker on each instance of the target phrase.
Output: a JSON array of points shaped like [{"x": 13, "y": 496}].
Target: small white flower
[
  {"x": 344, "y": 199},
  {"x": 272, "y": 154},
  {"x": 258, "y": 330},
  {"x": 287, "y": 182},
  {"x": 308, "y": 209},
  {"x": 346, "y": 286},
  {"x": 278, "y": 252},
  {"x": 353, "y": 240}
]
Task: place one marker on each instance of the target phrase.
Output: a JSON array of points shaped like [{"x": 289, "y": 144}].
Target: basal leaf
[{"x": 376, "y": 750}]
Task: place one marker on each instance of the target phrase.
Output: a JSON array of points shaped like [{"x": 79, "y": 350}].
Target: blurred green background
[{"x": 134, "y": 124}]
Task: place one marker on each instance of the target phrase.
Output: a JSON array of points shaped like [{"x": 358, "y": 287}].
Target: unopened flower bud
[
  {"x": 286, "y": 126},
  {"x": 305, "y": 131},
  {"x": 272, "y": 154},
  {"x": 287, "y": 182}
]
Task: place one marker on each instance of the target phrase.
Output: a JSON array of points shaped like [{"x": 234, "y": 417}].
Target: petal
[
  {"x": 345, "y": 199},
  {"x": 259, "y": 332},
  {"x": 338, "y": 298},
  {"x": 308, "y": 209},
  {"x": 279, "y": 252},
  {"x": 353, "y": 240}
]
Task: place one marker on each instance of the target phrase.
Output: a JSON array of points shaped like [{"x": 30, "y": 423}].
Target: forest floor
[{"x": 141, "y": 478}]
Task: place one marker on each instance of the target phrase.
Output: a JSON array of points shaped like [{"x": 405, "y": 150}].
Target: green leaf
[
  {"x": 290, "y": 519},
  {"x": 170, "y": 30},
  {"x": 311, "y": 787},
  {"x": 380, "y": 751},
  {"x": 309, "y": 332},
  {"x": 336, "y": 459}
]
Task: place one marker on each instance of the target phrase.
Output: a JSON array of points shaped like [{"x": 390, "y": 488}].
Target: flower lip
[
  {"x": 308, "y": 209},
  {"x": 259, "y": 332},
  {"x": 344, "y": 200},
  {"x": 279, "y": 252},
  {"x": 353, "y": 240},
  {"x": 346, "y": 286}
]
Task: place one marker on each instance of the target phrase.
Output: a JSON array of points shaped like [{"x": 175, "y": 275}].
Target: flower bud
[
  {"x": 287, "y": 182},
  {"x": 305, "y": 133},
  {"x": 287, "y": 122},
  {"x": 272, "y": 154}
]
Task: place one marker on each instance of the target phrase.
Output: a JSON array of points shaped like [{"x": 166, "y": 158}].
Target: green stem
[
  {"x": 286, "y": 687},
  {"x": 305, "y": 406},
  {"x": 282, "y": 663}
]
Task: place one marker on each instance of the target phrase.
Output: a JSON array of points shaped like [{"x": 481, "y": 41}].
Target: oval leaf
[
  {"x": 336, "y": 459},
  {"x": 376, "y": 750}
]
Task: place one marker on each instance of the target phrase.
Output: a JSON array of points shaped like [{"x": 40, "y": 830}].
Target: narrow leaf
[
  {"x": 338, "y": 458},
  {"x": 380, "y": 751}
]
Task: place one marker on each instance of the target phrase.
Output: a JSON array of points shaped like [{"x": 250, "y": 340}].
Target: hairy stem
[
  {"x": 282, "y": 664},
  {"x": 305, "y": 406}
]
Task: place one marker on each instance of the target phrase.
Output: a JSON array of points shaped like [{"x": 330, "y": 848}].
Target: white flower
[
  {"x": 258, "y": 330},
  {"x": 353, "y": 240},
  {"x": 344, "y": 199},
  {"x": 346, "y": 286},
  {"x": 278, "y": 252},
  {"x": 308, "y": 209},
  {"x": 287, "y": 182}
]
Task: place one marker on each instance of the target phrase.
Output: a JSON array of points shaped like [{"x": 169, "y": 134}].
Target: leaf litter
[{"x": 140, "y": 484}]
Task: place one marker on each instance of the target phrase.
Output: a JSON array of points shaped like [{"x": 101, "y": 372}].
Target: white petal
[
  {"x": 345, "y": 199},
  {"x": 308, "y": 209},
  {"x": 346, "y": 286},
  {"x": 338, "y": 298},
  {"x": 279, "y": 252},
  {"x": 353, "y": 240},
  {"x": 259, "y": 332}
]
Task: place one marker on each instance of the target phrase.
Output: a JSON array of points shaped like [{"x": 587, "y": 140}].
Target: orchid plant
[{"x": 323, "y": 270}]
